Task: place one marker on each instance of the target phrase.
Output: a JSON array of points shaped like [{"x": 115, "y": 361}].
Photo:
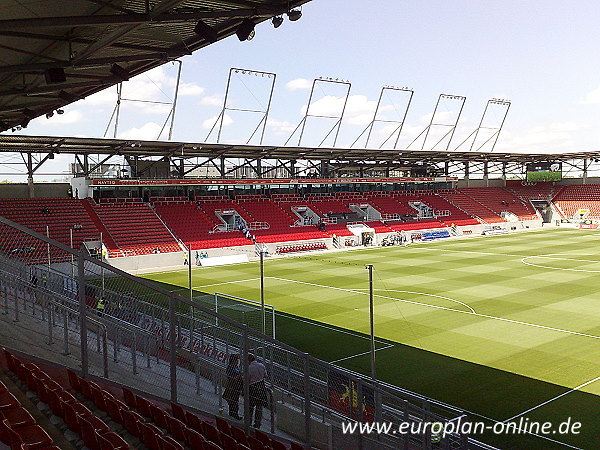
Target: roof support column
[
  {"x": 446, "y": 167},
  {"x": 504, "y": 173},
  {"x": 466, "y": 163},
  {"x": 585, "y": 171},
  {"x": 222, "y": 166},
  {"x": 323, "y": 170},
  {"x": 30, "y": 186},
  {"x": 486, "y": 173}
]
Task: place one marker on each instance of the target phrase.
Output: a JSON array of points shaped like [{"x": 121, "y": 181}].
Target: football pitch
[{"x": 504, "y": 326}]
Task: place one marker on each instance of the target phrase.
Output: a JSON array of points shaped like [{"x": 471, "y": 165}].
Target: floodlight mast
[
  {"x": 400, "y": 123},
  {"x": 452, "y": 126},
  {"x": 496, "y": 134},
  {"x": 265, "y": 112},
  {"x": 307, "y": 114}
]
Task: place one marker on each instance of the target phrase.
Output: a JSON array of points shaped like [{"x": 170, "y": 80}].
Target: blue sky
[{"x": 542, "y": 55}]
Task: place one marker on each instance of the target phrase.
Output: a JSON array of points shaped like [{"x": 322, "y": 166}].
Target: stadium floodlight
[
  {"x": 50, "y": 114},
  {"x": 245, "y": 31},
  {"x": 277, "y": 21},
  {"x": 120, "y": 72},
  {"x": 60, "y": 111},
  {"x": 294, "y": 15},
  {"x": 206, "y": 31}
]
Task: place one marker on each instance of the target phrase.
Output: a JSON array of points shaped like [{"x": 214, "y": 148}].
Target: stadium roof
[
  {"x": 119, "y": 147},
  {"x": 54, "y": 52}
]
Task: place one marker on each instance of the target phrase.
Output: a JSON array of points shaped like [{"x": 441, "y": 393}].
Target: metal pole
[
  {"x": 82, "y": 315},
  {"x": 172, "y": 349},
  {"x": 175, "y": 99},
  {"x": 189, "y": 249},
  {"x": 48, "y": 246},
  {"x": 369, "y": 267},
  {"x": 72, "y": 257},
  {"x": 262, "y": 291}
]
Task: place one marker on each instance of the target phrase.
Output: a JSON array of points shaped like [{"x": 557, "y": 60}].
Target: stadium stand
[
  {"x": 193, "y": 226},
  {"x": 281, "y": 223},
  {"x": 471, "y": 206},
  {"x": 579, "y": 201},
  {"x": 539, "y": 191},
  {"x": 60, "y": 215},
  {"x": 134, "y": 227},
  {"x": 501, "y": 201}
]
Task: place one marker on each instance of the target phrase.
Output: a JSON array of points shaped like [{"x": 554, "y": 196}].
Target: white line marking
[
  {"x": 442, "y": 250},
  {"x": 289, "y": 316},
  {"x": 524, "y": 261},
  {"x": 359, "y": 354},
  {"x": 421, "y": 293},
  {"x": 225, "y": 282},
  {"x": 447, "y": 309},
  {"x": 215, "y": 284},
  {"x": 554, "y": 398}
]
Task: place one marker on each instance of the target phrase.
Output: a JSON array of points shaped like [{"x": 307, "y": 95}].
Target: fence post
[
  {"x": 50, "y": 340},
  {"x": 307, "y": 399},
  {"x": 247, "y": 418},
  {"x": 82, "y": 316},
  {"x": 105, "y": 351},
  {"x": 172, "y": 348},
  {"x": 65, "y": 331}
]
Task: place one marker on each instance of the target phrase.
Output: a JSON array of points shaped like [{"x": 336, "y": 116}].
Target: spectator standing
[
  {"x": 257, "y": 389},
  {"x": 233, "y": 386}
]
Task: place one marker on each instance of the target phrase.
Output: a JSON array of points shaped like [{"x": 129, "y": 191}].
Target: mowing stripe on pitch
[{"x": 560, "y": 330}]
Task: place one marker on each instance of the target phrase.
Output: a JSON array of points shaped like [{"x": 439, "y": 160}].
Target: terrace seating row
[
  {"x": 472, "y": 207},
  {"x": 499, "y": 200},
  {"x": 193, "y": 226},
  {"x": 95, "y": 433},
  {"x": 136, "y": 228}
]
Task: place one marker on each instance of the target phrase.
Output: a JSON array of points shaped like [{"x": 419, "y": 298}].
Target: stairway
[{"x": 106, "y": 237}]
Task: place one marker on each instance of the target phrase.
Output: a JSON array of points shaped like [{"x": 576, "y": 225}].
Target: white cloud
[
  {"x": 212, "y": 100},
  {"x": 147, "y": 132},
  {"x": 592, "y": 97},
  {"x": 70, "y": 116},
  {"x": 105, "y": 97},
  {"x": 298, "y": 84},
  {"x": 208, "y": 123},
  {"x": 190, "y": 89},
  {"x": 280, "y": 127},
  {"x": 359, "y": 110},
  {"x": 551, "y": 138}
]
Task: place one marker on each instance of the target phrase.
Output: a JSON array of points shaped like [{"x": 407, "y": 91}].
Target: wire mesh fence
[{"x": 126, "y": 329}]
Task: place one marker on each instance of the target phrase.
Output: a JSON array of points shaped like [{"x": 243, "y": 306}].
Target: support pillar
[
  {"x": 466, "y": 177},
  {"x": 486, "y": 173}
]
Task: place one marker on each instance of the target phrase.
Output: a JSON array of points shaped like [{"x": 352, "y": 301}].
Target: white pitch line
[
  {"x": 359, "y": 354},
  {"x": 289, "y": 316},
  {"x": 523, "y": 260},
  {"x": 225, "y": 282},
  {"x": 554, "y": 398},
  {"x": 447, "y": 309},
  {"x": 422, "y": 293}
]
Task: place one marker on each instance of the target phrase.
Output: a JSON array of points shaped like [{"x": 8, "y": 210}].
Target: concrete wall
[{"x": 41, "y": 190}]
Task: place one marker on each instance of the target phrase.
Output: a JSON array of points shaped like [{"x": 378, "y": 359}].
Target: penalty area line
[
  {"x": 360, "y": 354},
  {"x": 553, "y": 398}
]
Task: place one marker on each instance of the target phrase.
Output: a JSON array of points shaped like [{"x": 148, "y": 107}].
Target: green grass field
[{"x": 503, "y": 326}]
